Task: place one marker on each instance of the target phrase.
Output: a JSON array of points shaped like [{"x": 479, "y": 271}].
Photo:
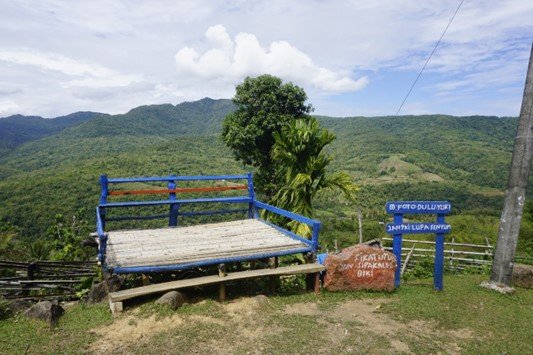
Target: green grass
[
  {"x": 500, "y": 323},
  {"x": 19, "y": 335},
  {"x": 463, "y": 318}
]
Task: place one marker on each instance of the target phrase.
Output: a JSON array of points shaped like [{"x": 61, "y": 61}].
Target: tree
[
  {"x": 301, "y": 164},
  {"x": 66, "y": 236},
  {"x": 264, "y": 105}
]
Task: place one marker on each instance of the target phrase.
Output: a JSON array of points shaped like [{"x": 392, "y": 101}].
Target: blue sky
[{"x": 352, "y": 57}]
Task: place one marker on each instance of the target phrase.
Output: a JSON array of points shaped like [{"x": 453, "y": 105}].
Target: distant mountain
[
  {"x": 185, "y": 119},
  {"x": 18, "y": 129}
]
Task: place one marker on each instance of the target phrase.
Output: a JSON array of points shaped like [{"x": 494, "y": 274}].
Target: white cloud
[
  {"x": 87, "y": 75},
  {"x": 231, "y": 60},
  {"x": 52, "y": 61},
  {"x": 8, "y": 107},
  {"x": 59, "y": 57}
]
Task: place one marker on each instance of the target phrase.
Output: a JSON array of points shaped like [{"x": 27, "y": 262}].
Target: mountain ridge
[
  {"x": 16, "y": 130},
  {"x": 463, "y": 159}
]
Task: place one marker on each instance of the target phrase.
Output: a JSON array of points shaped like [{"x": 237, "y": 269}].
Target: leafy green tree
[
  {"x": 66, "y": 237},
  {"x": 301, "y": 164},
  {"x": 38, "y": 249},
  {"x": 8, "y": 242},
  {"x": 264, "y": 105}
]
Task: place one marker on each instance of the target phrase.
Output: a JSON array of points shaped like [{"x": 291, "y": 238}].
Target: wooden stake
[
  {"x": 502, "y": 267},
  {"x": 360, "y": 218},
  {"x": 407, "y": 258},
  {"x": 222, "y": 285}
]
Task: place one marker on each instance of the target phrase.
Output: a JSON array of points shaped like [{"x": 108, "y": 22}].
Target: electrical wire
[{"x": 430, "y": 55}]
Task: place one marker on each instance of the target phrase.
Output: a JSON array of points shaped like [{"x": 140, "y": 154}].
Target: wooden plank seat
[
  {"x": 116, "y": 298},
  {"x": 178, "y": 247}
]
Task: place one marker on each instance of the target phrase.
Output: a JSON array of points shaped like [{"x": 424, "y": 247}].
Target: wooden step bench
[{"x": 116, "y": 298}]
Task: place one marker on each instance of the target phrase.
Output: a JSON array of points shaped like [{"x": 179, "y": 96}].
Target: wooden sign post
[{"x": 398, "y": 228}]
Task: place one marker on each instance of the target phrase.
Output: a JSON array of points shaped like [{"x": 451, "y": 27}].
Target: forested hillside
[
  {"x": 461, "y": 159},
  {"x": 18, "y": 129},
  {"x": 201, "y": 117}
]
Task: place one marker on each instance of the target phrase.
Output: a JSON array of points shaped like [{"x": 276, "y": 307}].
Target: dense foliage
[
  {"x": 301, "y": 165},
  {"x": 263, "y": 106},
  {"x": 461, "y": 159}
]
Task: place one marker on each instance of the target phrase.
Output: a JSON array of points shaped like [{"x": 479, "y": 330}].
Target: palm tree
[{"x": 301, "y": 163}]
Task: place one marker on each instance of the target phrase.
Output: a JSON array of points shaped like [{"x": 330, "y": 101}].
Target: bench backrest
[{"x": 172, "y": 192}]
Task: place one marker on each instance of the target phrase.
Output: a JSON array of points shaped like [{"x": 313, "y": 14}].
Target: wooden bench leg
[
  {"x": 116, "y": 307},
  {"x": 317, "y": 283},
  {"x": 273, "y": 263},
  {"x": 145, "y": 280},
  {"x": 312, "y": 281},
  {"x": 222, "y": 285}
]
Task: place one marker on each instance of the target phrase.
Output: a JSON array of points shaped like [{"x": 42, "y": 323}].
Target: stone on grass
[
  {"x": 47, "y": 311},
  {"x": 16, "y": 306},
  {"x": 260, "y": 300},
  {"x": 500, "y": 288},
  {"x": 99, "y": 291},
  {"x": 522, "y": 276},
  {"x": 172, "y": 299},
  {"x": 360, "y": 267}
]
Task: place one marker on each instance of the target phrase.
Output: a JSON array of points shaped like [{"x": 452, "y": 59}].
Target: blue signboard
[
  {"x": 398, "y": 228},
  {"x": 418, "y": 228},
  {"x": 419, "y": 207}
]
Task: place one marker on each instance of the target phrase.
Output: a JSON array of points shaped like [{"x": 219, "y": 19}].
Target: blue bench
[{"x": 178, "y": 247}]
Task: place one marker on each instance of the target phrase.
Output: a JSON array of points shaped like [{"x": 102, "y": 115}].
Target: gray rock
[
  {"x": 173, "y": 299},
  {"x": 16, "y": 306},
  {"x": 46, "y": 311},
  {"x": 260, "y": 300},
  {"x": 99, "y": 291},
  {"x": 522, "y": 276}
]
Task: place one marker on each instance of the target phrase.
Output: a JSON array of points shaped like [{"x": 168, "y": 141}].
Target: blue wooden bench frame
[{"x": 253, "y": 212}]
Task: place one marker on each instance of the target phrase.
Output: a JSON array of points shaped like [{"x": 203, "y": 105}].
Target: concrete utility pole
[{"x": 502, "y": 267}]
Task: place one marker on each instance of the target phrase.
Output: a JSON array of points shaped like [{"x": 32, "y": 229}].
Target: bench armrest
[
  {"x": 315, "y": 225},
  {"x": 102, "y": 237}
]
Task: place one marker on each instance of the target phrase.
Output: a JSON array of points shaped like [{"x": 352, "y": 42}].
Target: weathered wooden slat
[
  {"x": 196, "y": 241},
  {"x": 24, "y": 282},
  {"x": 195, "y": 245},
  {"x": 203, "y": 248},
  {"x": 200, "y": 239},
  {"x": 208, "y": 280},
  {"x": 174, "y": 246},
  {"x": 213, "y": 229},
  {"x": 488, "y": 246},
  {"x": 171, "y": 260},
  {"x": 62, "y": 296}
]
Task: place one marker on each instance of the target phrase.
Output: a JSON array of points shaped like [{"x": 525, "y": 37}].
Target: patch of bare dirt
[
  {"x": 245, "y": 306},
  {"x": 129, "y": 329},
  {"x": 366, "y": 313},
  {"x": 304, "y": 309},
  {"x": 245, "y": 318},
  {"x": 354, "y": 320},
  {"x": 463, "y": 334}
]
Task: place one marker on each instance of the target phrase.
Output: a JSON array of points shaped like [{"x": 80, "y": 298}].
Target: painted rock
[{"x": 360, "y": 267}]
